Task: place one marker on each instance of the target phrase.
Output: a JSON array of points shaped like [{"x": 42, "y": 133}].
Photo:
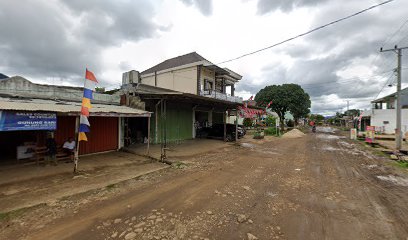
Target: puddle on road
[
  {"x": 395, "y": 179},
  {"x": 271, "y": 194},
  {"x": 346, "y": 144},
  {"x": 247, "y": 145},
  {"x": 326, "y": 129},
  {"x": 329, "y": 137},
  {"x": 371, "y": 166},
  {"x": 269, "y": 151},
  {"x": 329, "y": 148}
]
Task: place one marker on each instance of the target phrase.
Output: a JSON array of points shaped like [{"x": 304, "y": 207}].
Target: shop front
[
  {"x": 25, "y": 125},
  {"x": 22, "y": 131}
]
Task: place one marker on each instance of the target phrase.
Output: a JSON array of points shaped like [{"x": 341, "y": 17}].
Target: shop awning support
[
  {"x": 236, "y": 125},
  {"x": 76, "y": 157},
  {"x": 225, "y": 126},
  {"x": 148, "y": 136}
]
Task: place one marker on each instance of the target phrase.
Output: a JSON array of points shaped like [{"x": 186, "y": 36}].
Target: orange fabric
[
  {"x": 86, "y": 102},
  {"x": 85, "y": 111},
  {"x": 82, "y": 137},
  {"x": 90, "y": 76}
]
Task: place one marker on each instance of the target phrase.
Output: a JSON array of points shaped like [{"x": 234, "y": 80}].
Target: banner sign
[
  {"x": 370, "y": 134},
  {"x": 20, "y": 121},
  {"x": 353, "y": 134}
]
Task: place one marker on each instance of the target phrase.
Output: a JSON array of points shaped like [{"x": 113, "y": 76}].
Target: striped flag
[{"x": 89, "y": 87}]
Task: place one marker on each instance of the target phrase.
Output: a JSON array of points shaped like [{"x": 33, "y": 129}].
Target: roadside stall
[{"x": 22, "y": 131}]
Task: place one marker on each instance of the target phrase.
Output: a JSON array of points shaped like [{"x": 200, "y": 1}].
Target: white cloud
[{"x": 58, "y": 40}]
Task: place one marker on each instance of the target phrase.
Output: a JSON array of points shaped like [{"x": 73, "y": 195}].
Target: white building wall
[
  {"x": 182, "y": 80},
  {"x": 231, "y": 120},
  {"x": 148, "y": 80},
  {"x": 380, "y": 117}
]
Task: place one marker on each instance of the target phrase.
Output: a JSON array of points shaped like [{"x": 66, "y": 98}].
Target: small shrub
[
  {"x": 270, "y": 131},
  {"x": 270, "y": 121}
]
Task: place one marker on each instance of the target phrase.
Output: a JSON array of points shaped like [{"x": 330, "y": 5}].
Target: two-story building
[
  {"x": 184, "y": 94},
  {"x": 384, "y": 115}
]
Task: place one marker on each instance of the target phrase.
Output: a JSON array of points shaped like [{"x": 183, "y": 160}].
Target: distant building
[
  {"x": 384, "y": 115},
  {"x": 2, "y": 76}
]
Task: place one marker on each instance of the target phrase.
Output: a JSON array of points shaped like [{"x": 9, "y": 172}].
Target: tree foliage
[
  {"x": 316, "y": 118},
  {"x": 286, "y": 97},
  {"x": 270, "y": 121},
  {"x": 352, "y": 112}
]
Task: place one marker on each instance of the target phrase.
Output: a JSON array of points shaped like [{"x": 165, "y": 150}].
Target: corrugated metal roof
[
  {"x": 72, "y": 108},
  {"x": 175, "y": 62}
]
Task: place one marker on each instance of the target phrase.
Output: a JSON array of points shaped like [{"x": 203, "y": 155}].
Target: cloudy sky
[{"x": 52, "y": 41}]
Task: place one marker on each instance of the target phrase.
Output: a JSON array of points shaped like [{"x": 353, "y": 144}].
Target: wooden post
[
  {"x": 76, "y": 154},
  {"x": 236, "y": 125},
  {"x": 148, "y": 135},
  {"x": 225, "y": 126}
]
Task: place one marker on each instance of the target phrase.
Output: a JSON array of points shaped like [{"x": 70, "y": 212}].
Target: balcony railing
[{"x": 220, "y": 96}]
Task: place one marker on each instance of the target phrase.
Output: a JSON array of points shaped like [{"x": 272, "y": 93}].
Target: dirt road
[{"x": 320, "y": 186}]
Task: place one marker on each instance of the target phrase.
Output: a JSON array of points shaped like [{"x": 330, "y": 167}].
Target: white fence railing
[{"x": 221, "y": 96}]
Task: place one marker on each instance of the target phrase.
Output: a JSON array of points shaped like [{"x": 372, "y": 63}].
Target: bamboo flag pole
[
  {"x": 76, "y": 156},
  {"x": 82, "y": 125}
]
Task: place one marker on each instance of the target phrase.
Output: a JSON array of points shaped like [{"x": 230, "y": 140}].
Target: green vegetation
[
  {"x": 402, "y": 164},
  {"x": 100, "y": 89},
  {"x": 284, "y": 98},
  {"x": 16, "y": 213},
  {"x": 179, "y": 165},
  {"x": 270, "y": 121},
  {"x": 270, "y": 131},
  {"x": 317, "y": 118}
]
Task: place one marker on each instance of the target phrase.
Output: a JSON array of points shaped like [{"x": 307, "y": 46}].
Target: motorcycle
[{"x": 314, "y": 129}]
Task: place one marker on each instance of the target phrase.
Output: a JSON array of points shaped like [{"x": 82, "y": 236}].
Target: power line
[
  {"x": 386, "y": 83},
  {"x": 395, "y": 33},
  {"x": 308, "y": 32}
]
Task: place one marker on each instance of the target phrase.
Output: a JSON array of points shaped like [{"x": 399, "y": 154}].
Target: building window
[{"x": 208, "y": 85}]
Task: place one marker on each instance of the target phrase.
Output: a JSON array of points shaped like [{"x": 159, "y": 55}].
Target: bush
[
  {"x": 271, "y": 131},
  {"x": 270, "y": 121}
]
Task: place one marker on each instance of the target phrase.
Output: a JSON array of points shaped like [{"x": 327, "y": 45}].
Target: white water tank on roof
[{"x": 130, "y": 77}]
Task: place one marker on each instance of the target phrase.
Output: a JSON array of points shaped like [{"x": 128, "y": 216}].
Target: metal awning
[{"x": 69, "y": 108}]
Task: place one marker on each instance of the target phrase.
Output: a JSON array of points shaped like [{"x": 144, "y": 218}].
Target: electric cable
[{"x": 306, "y": 33}]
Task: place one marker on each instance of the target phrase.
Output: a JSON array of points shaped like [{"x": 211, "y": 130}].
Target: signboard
[
  {"x": 370, "y": 134},
  {"x": 21, "y": 121},
  {"x": 353, "y": 134}
]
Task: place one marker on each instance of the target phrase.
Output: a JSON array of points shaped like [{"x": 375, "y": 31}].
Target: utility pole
[
  {"x": 348, "y": 104},
  {"x": 398, "y": 133}
]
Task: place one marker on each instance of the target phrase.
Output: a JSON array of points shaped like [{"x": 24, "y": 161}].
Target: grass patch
[
  {"x": 178, "y": 165},
  {"x": 402, "y": 164},
  {"x": 270, "y": 131},
  {"x": 5, "y": 216}
]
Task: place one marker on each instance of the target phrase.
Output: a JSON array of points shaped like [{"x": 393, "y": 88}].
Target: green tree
[
  {"x": 352, "y": 112},
  {"x": 316, "y": 118},
  {"x": 270, "y": 121},
  {"x": 300, "y": 103},
  {"x": 286, "y": 97}
]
